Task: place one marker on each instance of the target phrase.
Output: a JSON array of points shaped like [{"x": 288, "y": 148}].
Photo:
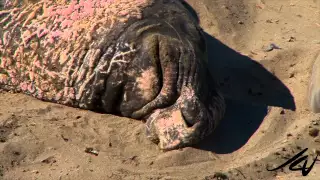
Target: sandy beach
[{"x": 261, "y": 52}]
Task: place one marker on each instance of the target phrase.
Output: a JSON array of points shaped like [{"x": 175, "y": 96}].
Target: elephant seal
[
  {"x": 314, "y": 87},
  {"x": 142, "y": 59}
]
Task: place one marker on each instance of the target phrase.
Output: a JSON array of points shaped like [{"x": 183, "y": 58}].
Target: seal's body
[
  {"x": 314, "y": 86},
  {"x": 143, "y": 59}
]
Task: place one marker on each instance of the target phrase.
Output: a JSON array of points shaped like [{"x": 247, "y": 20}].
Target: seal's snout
[
  {"x": 183, "y": 124},
  {"x": 169, "y": 129}
]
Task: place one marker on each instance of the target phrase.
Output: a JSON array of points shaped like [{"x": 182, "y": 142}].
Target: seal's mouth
[
  {"x": 168, "y": 128},
  {"x": 182, "y": 124}
]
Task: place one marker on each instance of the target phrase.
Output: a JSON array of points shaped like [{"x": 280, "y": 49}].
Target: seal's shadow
[{"x": 248, "y": 88}]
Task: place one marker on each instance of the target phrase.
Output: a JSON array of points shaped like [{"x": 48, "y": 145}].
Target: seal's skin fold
[{"x": 141, "y": 59}]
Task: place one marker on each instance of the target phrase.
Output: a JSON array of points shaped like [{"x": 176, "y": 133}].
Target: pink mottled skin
[
  {"x": 43, "y": 40},
  {"x": 171, "y": 129},
  {"x": 101, "y": 55}
]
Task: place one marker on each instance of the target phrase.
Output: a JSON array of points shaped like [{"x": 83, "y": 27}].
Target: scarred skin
[{"x": 141, "y": 59}]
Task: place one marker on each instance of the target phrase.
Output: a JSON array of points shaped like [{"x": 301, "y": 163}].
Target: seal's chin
[{"x": 168, "y": 128}]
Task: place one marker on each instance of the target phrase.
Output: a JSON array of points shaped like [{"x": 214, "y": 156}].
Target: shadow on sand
[{"x": 248, "y": 88}]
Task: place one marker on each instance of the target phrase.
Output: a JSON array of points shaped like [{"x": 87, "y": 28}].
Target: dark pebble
[{"x": 314, "y": 132}]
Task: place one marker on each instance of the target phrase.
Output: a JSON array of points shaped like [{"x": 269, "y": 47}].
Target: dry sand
[{"x": 268, "y": 119}]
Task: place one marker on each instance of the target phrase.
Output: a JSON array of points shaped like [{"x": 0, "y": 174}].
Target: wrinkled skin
[
  {"x": 186, "y": 107},
  {"x": 162, "y": 77},
  {"x": 180, "y": 102}
]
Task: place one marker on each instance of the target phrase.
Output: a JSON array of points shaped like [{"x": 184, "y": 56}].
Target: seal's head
[
  {"x": 167, "y": 82},
  {"x": 184, "y": 104}
]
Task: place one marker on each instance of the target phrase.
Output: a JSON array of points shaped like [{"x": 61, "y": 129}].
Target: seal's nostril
[
  {"x": 187, "y": 120},
  {"x": 190, "y": 112}
]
